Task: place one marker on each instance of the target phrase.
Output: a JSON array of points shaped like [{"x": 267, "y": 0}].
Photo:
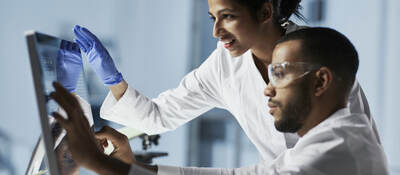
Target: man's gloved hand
[
  {"x": 98, "y": 57},
  {"x": 68, "y": 65}
]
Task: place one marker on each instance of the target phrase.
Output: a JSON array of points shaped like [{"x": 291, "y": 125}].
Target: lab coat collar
[
  {"x": 343, "y": 112},
  {"x": 293, "y": 27}
]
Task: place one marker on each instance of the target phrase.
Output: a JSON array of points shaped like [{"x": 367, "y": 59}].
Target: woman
[{"x": 233, "y": 77}]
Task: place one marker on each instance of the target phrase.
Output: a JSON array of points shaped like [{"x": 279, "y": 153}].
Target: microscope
[{"x": 145, "y": 156}]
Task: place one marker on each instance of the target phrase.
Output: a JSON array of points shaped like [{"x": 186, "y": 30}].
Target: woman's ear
[
  {"x": 323, "y": 81},
  {"x": 265, "y": 14}
]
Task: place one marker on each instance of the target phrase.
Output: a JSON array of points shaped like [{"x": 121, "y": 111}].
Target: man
[{"x": 310, "y": 77}]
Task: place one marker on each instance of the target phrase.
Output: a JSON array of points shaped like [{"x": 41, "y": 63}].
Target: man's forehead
[{"x": 287, "y": 51}]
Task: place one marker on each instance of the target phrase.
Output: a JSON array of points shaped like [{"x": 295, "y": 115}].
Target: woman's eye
[
  {"x": 228, "y": 16},
  {"x": 212, "y": 18}
]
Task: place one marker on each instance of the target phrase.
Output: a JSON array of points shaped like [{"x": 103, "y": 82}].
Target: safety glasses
[{"x": 282, "y": 74}]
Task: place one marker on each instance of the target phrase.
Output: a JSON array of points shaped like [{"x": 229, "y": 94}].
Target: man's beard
[{"x": 296, "y": 110}]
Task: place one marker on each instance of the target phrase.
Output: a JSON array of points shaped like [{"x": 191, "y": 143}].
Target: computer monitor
[{"x": 43, "y": 52}]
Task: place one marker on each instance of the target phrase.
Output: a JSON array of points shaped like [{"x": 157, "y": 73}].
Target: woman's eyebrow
[{"x": 223, "y": 10}]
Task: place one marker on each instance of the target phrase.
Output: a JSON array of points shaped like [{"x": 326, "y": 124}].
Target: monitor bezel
[{"x": 31, "y": 38}]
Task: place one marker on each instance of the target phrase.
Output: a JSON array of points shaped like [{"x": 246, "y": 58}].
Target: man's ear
[
  {"x": 265, "y": 13},
  {"x": 324, "y": 79}
]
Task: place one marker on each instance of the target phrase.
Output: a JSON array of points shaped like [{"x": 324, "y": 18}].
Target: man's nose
[{"x": 269, "y": 90}]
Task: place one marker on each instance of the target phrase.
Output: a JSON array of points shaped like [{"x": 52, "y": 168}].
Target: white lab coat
[
  {"x": 223, "y": 81},
  {"x": 342, "y": 144}
]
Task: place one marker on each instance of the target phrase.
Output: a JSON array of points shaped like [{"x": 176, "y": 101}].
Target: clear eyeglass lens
[{"x": 282, "y": 74}]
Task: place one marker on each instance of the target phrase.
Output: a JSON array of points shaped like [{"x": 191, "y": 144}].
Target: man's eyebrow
[{"x": 221, "y": 11}]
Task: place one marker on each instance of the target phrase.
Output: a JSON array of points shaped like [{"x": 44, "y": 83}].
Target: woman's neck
[{"x": 263, "y": 48}]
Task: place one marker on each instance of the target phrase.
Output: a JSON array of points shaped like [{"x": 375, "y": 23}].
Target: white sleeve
[
  {"x": 316, "y": 154},
  {"x": 137, "y": 170},
  {"x": 259, "y": 169},
  {"x": 198, "y": 92},
  {"x": 358, "y": 103},
  {"x": 172, "y": 170}
]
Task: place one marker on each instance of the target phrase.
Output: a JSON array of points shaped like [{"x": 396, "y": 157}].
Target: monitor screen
[
  {"x": 45, "y": 51},
  {"x": 49, "y": 49}
]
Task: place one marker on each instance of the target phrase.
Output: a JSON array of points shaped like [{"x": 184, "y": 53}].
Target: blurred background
[{"x": 155, "y": 43}]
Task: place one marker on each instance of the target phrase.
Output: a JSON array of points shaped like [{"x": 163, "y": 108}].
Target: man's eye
[{"x": 279, "y": 74}]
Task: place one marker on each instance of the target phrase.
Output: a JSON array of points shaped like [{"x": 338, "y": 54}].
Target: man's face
[{"x": 290, "y": 105}]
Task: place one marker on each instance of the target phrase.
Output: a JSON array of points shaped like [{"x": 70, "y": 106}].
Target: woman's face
[{"x": 233, "y": 25}]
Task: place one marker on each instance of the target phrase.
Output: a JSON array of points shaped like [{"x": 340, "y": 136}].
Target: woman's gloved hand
[
  {"x": 68, "y": 65},
  {"x": 98, "y": 57}
]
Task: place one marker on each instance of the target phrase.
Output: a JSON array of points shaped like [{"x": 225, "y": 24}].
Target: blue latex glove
[
  {"x": 98, "y": 57},
  {"x": 68, "y": 65}
]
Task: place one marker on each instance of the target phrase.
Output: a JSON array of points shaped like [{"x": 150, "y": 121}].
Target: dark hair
[
  {"x": 329, "y": 48},
  {"x": 282, "y": 9}
]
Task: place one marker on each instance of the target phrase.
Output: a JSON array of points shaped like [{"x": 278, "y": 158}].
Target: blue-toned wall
[{"x": 152, "y": 41}]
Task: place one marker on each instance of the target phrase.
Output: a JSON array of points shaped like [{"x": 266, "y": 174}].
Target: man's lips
[
  {"x": 272, "y": 107},
  {"x": 272, "y": 104}
]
